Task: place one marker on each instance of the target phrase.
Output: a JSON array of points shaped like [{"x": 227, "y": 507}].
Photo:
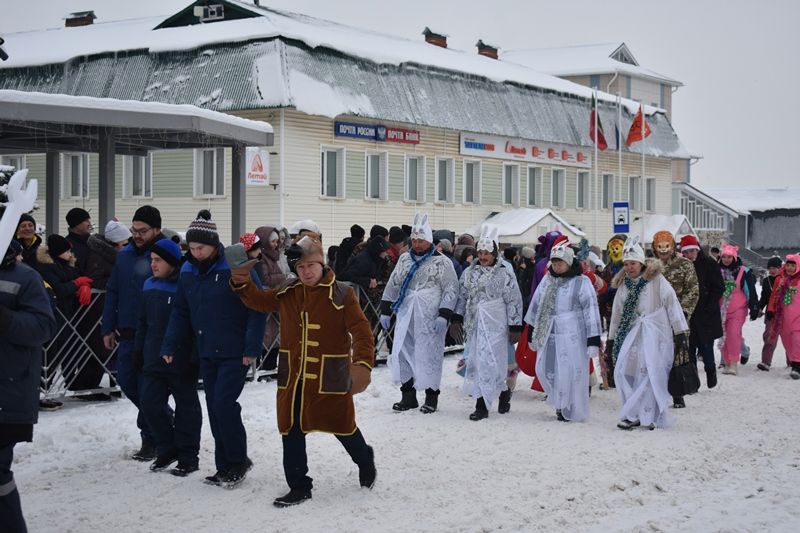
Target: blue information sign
[{"x": 622, "y": 215}]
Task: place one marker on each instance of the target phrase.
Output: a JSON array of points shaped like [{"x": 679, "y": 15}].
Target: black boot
[
  {"x": 409, "y": 400},
  {"x": 678, "y": 403},
  {"x": 711, "y": 378},
  {"x": 146, "y": 453},
  {"x": 291, "y": 498},
  {"x": 367, "y": 472},
  {"x": 505, "y": 402},
  {"x": 431, "y": 401},
  {"x": 610, "y": 372},
  {"x": 480, "y": 412}
]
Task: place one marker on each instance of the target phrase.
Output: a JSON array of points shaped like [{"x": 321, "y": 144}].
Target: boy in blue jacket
[{"x": 174, "y": 375}]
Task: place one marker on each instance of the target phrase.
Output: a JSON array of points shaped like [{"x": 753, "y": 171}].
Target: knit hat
[
  {"x": 563, "y": 251},
  {"x": 775, "y": 262},
  {"x": 689, "y": 242},
  {"x": 510, "y": 253},
  {"x": 149, "y": 215},
  {"x": 378, "y": 231},
  {"x": 731, "y": 250},
  {"x": 203, "y": 230},
  {"x": 527, "y": 252},
  {"x": 311, "y": 251},
  {"x": 25, "y": 217},
  {"x": 168, "y": 250},
  {"x": 57, "y": 245},
  {"x": 447, "y": 246},
  {"x": 116, "y": 232},
  {"x": 633, "y": 251},
  {"x": 357, "y": 232},
  {"x": 76, "y": 215},
  {"x": 249, "y": 240},
  {"x": 466, "y": 238},
  {"x": 396, "y": 235}
]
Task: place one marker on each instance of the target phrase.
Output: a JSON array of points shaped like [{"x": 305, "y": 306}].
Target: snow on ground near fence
[{"x": 731, "y": 463}]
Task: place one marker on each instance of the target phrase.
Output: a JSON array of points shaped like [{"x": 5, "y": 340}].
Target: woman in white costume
[
  {"x": 566, "y": 327},
  {"x": 490, "y": 307},
  {"x": 645, "y": 318}
]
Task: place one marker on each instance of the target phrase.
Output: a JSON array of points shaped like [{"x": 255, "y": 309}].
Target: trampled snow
[{"x": 730, "y": 463}]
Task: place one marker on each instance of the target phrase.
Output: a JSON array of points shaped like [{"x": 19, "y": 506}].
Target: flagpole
[
  {"x": 596, "y": 164},
  {"x": 641, "y": 182},
  {"x": 619, "y": 155}
]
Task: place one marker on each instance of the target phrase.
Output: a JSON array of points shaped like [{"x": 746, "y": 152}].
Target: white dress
[
  {"x": 490, "y": 302},
  {"x": 417, "y": 352},
  {"x": 562, "y": 360},
  {"x": 645, "y": 358}
]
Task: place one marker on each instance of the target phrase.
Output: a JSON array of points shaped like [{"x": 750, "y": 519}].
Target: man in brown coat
[{"x": 321, "y": 364}]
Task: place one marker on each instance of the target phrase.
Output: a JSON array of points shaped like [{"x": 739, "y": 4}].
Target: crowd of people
[{"x": 175, "y": 310}]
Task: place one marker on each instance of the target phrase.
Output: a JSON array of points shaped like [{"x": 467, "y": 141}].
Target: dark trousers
[
  {"x": 769, "y": 347},
  {"x": 11, "y": 519},
  {"x": 182, "y": 439},
  {"x": 129, "y": 380},
  {"x": 295, "y": 460},
  {"x": 706, "y": 351},
  {"x": 223, "y": 381}
]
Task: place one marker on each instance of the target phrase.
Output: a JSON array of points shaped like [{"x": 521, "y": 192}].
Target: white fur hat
[
  {"x": 563, "y": 251},
  {"x": 633, "y": 250},
  {"x": 421, "y": 229},
  {"x": 307, "y": 225},
  {"x": 488, "y": 239}
]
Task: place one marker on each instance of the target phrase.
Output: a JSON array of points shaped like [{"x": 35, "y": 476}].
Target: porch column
[
  {"x": 107, "y": 178},
  {"x": 238, "y": 188},
  {"x": 52, "y": 180}
]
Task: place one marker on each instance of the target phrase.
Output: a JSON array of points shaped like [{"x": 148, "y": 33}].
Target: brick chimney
[
  {"x": 436, "y": 39},
  {"x": 80, "y": 18},
  {"x": 486, "y": 50}
]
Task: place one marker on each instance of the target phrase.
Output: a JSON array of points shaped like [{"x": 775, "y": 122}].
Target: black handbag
[{"x": 683, "y": 378}]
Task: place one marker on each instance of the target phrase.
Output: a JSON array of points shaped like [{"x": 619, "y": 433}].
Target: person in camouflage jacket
[{"x": 681, "y": 275}]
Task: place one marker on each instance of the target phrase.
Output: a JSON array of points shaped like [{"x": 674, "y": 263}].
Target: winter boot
[
  {"x": 628, "y": 424},
  {"x": 505, "y": 402},
  {"x": 678, "y": 403},
  {"x": 480, "y": 412},
  {"x": 795, "y": 373},
  {"x": 735, "y": 368},
  {"x": 235, "y": 474},
  {"x": 367, "y": 472},
  {"x": 560, "y": 416},
  {"x": 763, "y": 366},
  {"x": 184, "y": 469},
  {"x": 293, "y": 497},
  {"x": 727, "y": 369},
  {"x": 431, "y": 401},
  {"x": 409, "y": 400},
  {"x": 162, "y": 462},
  {"x": 146, "y": 453},
  {"x": 711, "y": 378}
]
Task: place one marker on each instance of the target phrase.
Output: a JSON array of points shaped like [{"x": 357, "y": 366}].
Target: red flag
[
  {"x": 635, "y": 133},
  {"x": 601, "y": 139}
]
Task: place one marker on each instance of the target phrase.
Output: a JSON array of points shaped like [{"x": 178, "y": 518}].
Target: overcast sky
[{"x": 737, "y": 59}]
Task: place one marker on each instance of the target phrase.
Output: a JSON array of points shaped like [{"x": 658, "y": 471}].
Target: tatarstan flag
[{"x": 601, "y": 139}]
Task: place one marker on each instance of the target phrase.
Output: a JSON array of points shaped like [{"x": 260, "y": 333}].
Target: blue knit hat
[{"x": 168, "y": 250}]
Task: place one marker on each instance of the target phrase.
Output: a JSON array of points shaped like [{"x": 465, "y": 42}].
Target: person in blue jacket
[
  {"x": 123, "y": 296},
  {"x": 162, "y": 377},
  {"x": 26, "y": 324},
  {"x": 228, "y": 337}
]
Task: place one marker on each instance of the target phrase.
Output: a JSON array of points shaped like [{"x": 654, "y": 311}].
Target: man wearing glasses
[{"x": 123, "y": 294}]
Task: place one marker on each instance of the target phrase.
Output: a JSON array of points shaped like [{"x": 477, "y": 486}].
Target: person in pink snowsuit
[
  {"x": 784, "y": 306},
  {"x": 738, "y": 298}
]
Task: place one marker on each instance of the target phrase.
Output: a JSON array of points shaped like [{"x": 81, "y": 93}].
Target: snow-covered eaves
[
  {"x": 648, "y": 225},
  {"x": 747, "y": 199},
  {"x": 515, "y": 222},
  {"x": 693, "y": 191},
  {"x": 581, "y": 60}
]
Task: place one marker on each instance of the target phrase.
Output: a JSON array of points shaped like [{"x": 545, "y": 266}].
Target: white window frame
[
  {"x": 128, "y": 178},
  {"x": 218, "y": 178},
  {"x": 66, "y": 179},
  {"x": 607, "y": 191},
  {"x": 420, "y": 179},
  {"x": 538, "y": 172},
  {"x": 635, "y": 193},
  {"x": 383, "y": 176},
  {"x": 586, "y": 198},
  {"x": 512, "y": 187},
  {"x": 477, "y": 181},
  {"x": 449, "y": 184},
  {"x": 558, "y": 174},
  {"x": 650, "y": 194},
  {"x": 341, "y": 154},
  {"x": 21, "y": 159}
]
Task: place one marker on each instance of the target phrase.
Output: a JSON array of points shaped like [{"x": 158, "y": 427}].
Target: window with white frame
[
  {"x": 415, "y": 179},
  {"x": 74, "y": 176},
  {"x": 332, "y": 172},
  {"x": 209, "y": 172},
  {"x": 558, "y": 186},
  {"x": 582, "y": 199},
  {"x": 634, "y": 193},
  {"x": 650, "y": 194},
  {"x": 511, "y": 184},
  {"x": 472, "y": 182},
  {"x": 445, "y": 180},
  {"x": 608, "y": 193},
  {"x": 137, "y": 176},
  {"x": 534, "y": 188},
  {"x": 377, "y": 177},
  {"x": 16, "y": 161}
]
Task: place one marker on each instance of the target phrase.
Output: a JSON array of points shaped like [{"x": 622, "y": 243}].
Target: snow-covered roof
[
  {"x": 515, "y": 222},
  {"x": 648, "y": 225},
  {"x": 746, "y": 199},
  {"x": 581, "y": 60}
]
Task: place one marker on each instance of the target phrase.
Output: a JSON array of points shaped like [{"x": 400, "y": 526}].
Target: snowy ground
[{"x": 730, "y": 463}]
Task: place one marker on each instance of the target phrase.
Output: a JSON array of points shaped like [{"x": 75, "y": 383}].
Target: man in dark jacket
[
  {"x": 346, "y": 247},
  {"x": 123, "y": 297},
  {"x": 26, "y": 324},
  {"x": 79, "y": 222},
  {"x": 705, "y": 324}
]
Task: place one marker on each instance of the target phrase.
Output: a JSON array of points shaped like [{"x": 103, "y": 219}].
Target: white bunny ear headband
[
  {"x": 421, "y": 229},
  {"x": 487, "y": 242},
  {"x": 20, "y": 200}
]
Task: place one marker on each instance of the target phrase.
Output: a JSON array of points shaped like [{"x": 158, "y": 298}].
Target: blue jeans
[
  {"x": 10, "y": 508},
  {"x": 223, "y": 381},
  {"x": 182, "y": 439}
]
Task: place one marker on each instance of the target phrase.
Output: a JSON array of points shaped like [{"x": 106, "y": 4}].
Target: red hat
[
  {"x": 689, "y": 242},
  {"x": 249, "y": 240}
]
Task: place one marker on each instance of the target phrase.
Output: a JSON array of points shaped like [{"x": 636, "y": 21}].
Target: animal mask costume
[
  {"x": 614, "y": 248},
  {"x": 20, "y": 200},
  {"x": 663, "y": 243},
  {"x": 633, "y": 251},
  {"x": 421, "y": 229},
  {"x": 488, "y": 239}
]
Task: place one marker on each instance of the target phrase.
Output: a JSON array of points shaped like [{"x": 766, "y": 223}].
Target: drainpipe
[{"x": 281, "y": 171}]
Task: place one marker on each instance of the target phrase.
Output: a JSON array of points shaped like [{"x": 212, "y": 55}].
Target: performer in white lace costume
[{"x": 422, "y": 291}]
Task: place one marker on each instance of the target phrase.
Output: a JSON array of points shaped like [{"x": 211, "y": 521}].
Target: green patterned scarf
[{"x": 634, "y": 287}]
